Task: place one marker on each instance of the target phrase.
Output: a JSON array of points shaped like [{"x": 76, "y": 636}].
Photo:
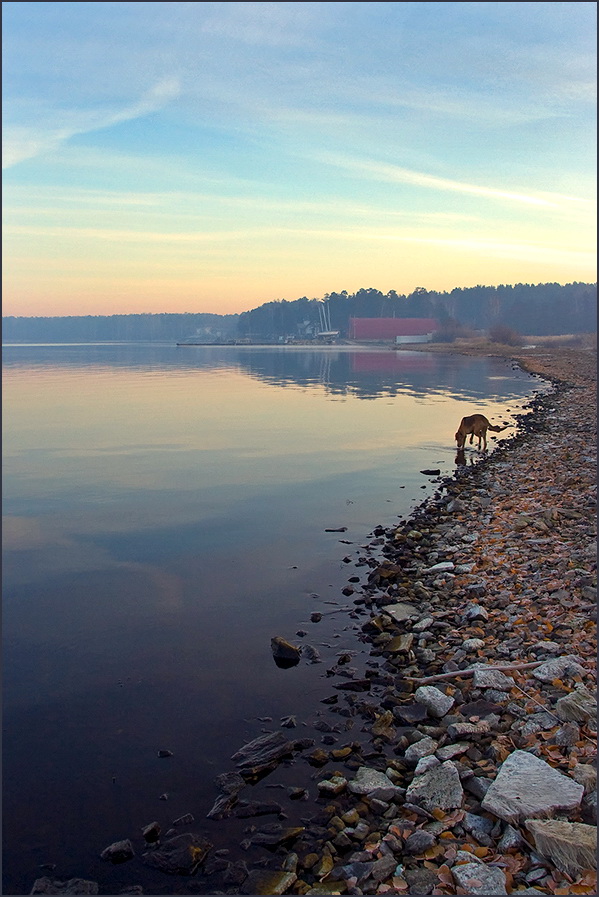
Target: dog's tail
[{"x": 496, "y": 429}]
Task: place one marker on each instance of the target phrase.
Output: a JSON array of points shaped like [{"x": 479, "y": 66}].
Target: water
[{"x": 165, "y": 515}]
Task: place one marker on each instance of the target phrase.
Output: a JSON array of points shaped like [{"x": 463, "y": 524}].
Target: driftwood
[{"x": 466, "y": 674}]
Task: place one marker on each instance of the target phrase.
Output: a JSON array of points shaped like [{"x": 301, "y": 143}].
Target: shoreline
[{"x": 495, "y": 568}]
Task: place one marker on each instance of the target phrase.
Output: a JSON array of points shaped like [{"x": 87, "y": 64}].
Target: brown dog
[{"x": 475, "y": 425}]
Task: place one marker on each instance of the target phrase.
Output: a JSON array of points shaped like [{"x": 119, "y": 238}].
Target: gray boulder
[
  {"x": 527, "y": 787},
  {"x": 438, "y": 788}
]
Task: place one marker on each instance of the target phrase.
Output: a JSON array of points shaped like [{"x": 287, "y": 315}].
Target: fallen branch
[{"x": 466, "y": 674}]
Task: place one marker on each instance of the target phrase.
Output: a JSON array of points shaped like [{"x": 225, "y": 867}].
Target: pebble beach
[{"x": 474, "y": 771}]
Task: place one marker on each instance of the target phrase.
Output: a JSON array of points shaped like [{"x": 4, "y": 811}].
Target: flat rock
[
  {"x": 476, "y": 878},
  {"x": 182, "y": 855},
  {"x": 274, "y": 835},
  {"x": 579, "y": 705},
  {"x": 468, "y": 730},
  {"x": 436, "y": 702},
  {"x": 488, "y": 678},
  {"x": 265, "y": 881},
  {"x": 401, "y": 611},
  {"x": 527, "y": 787},
  {"x": 374, "y": 783},
  {"x": 72, "y": 886},
  {"x": 423, "y": 748},
  {"x": 438, "y": 788},
  {"x": 571, "y": 846},
  {"x": 559, "y": 668},
  {"x": 263, "y": 753}
]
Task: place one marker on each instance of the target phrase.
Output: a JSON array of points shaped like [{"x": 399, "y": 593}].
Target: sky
[{"x": 209, "y": 157}]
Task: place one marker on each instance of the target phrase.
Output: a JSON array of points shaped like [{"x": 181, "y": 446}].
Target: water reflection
[
  {"x": 168, "y": 511},
  {"x": 363, "y": 372}
]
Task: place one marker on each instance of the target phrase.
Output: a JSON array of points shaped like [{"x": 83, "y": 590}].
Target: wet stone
[
  {"x": 118, "y": 852},
  {"x": 72, "y": 886},
  {"x": 267, "y": 882},
  {"x": 182, "y": 855}
]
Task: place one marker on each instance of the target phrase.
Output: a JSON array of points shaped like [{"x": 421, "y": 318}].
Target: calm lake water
[{"x": 164, "y": 517}]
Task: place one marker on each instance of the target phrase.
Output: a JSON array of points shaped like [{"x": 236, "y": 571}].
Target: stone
[
  {"x": 473, "y": 644},
  {"x": 283, "y": 652},
  {"x": 419, "y": 841},
  {"x": 335, "y": 785},
  {"x": 72, "y": 886},
  {"x": 401, "y": 612},
  {"x": 475, "y": 612},
  {"x": 151, "y": 832},
  {"x": 265, "y": 881},
  {"x": 442, "y": 567},
  {"x": 274, "y": 835},
  {"x": 571, "y": 846},
  {"x": 423, "y": 748},
  {"x": 186, "y": 819},
  {"x": 585, "y": 775},
  {"x": 579, "y": 705},
  {"x": 420, "y": 881},
  {"x": 486, "y": 678},
  {"x": 449, "y": 751},
  {"x": 373, "y": 783},
  {"x": 559, "y": 668},
  {"x": 436, "y": 702},
  {"x": 476, "y": 878},
  {"x": 527, "y": 787},
  {"x": 510, "y": 839},
  {"x": 263, "y": 753},
  {"x": 182, "y": 855},
  {"x": 426, "y": 763},
  {"x": 567, "y": 735},
  {"x": 399, "y": 644},
  {"x": 468, "y": 730},
  {"x": 438, "y": 788},
  {"x": 118, "y": 852}
]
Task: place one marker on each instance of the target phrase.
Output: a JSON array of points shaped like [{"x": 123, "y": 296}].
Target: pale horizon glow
[{"x": 209, "y": 157}]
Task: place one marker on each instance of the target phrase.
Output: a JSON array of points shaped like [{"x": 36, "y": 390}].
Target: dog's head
[{"x": 460, "y": 438}]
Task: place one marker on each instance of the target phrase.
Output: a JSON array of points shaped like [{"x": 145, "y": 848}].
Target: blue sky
[{"x": 213, "y": 156}]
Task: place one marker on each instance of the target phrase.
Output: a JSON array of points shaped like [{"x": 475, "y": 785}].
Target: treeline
[
  {"x": 543, "y": 310},
  {"x": 99, "y": 328}
]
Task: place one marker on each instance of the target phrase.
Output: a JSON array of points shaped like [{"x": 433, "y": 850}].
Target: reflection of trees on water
[{"x": 339, "y": 372}]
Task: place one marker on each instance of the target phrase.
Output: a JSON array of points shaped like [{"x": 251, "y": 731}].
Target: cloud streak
[
  {"x": 53, "y": 128},
  {"x": 395, "y": 174}
]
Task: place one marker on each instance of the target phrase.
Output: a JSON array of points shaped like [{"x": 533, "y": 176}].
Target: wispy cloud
[
  {"x": 54, "y": 127},
  {"x": 395, "y": 174}
]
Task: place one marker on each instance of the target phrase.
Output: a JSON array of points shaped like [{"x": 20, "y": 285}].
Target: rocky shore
[{"x": 461, "y": 757}]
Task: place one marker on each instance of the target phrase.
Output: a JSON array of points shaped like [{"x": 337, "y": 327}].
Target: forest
[{"x": 541, "y": 310}]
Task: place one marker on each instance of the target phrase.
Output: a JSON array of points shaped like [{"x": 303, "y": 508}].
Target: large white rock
[{"x": 527, "y": 787}]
